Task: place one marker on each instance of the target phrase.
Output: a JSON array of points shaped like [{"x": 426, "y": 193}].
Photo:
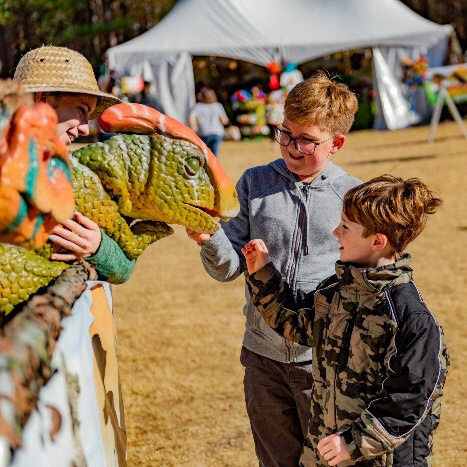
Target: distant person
[
  {"x": 290, "y": 77},
  {"x": 274, "y": 110},
  {"x": 149, "y": 99},
  {"x": 208, "y": 118}
]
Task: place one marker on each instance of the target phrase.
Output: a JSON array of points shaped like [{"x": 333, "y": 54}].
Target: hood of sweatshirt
[{"x": 330, "y": 173}]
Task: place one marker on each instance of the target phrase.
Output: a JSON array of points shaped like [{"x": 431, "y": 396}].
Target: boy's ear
[
  {"x": 380, "y": 242},
  {"x": 338, "y": 142}
]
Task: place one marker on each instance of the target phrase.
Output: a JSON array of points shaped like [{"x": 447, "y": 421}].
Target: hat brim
[{"x": 104, "y": 100}]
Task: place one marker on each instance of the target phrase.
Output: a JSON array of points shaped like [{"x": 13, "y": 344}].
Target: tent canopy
[{"x": 260, "y": 31}]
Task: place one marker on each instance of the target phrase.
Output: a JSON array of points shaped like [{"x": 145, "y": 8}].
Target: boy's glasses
[{"x": 303, "y": 145}]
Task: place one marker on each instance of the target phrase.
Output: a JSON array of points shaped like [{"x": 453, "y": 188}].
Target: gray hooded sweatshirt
[{"x": 295, "y": 220}]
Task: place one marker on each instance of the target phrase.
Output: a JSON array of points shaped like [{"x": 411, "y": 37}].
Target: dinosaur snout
[{"x": 226, "y": 201}]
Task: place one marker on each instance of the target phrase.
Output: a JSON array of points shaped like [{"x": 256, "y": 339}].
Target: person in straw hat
[{"x": 64, "y": 79}]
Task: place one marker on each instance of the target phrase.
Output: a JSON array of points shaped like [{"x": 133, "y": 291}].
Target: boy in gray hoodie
[{"x": 293, "y": 204}]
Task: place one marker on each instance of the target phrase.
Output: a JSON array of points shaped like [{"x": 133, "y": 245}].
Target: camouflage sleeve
[
  {"x": 110, "y": 262},
  {"x": 290, "y": 317},
  {"x": 416, "y": 369}
]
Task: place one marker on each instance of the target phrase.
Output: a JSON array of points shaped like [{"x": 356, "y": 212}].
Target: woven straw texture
[{"x": 59, "y": 69}]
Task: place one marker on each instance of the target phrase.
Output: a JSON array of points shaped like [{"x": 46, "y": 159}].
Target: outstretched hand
[
  {"x": 80, "y": 236},
  {"x": 256, "y": 255},
  {"x": 198, "y": 237},
  {"x": 333, "y": 449}
]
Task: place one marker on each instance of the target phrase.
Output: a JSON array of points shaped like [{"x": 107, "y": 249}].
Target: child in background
[
  {"x": 274, "y": 110},
  {"x": 208, "y": 118},
  {"x": 293, "y": 203},
  {"x": 379, "y": 357}
]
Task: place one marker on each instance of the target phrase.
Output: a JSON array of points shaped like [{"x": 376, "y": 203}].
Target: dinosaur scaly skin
[
  {"x": 155, "y": 178},
  {"x": 132, "y": 186},
  {"x": 22, "y": 273}
]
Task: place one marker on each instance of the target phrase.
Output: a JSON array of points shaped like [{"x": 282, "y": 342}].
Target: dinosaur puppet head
[
  {"x": 36, "y": 190},
  {"x": 184, "y": 182}
]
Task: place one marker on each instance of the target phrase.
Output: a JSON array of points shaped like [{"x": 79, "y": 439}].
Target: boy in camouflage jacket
[{"x": 380, "y": 360}]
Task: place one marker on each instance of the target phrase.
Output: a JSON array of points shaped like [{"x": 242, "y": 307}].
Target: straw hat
[{"x": 58, "y": 69}]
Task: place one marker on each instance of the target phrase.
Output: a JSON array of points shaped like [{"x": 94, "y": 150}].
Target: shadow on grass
[
  {"x": 447, "y": 155},
  {"x": 394, "y": 159},
  {"x": 410, "y": 142}
]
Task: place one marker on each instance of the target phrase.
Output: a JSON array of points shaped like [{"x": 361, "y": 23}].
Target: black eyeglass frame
[{"x": 278, "y": 132}]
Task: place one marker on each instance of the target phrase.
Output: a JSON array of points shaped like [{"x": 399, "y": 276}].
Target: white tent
[{"x": 260, "y": 31}]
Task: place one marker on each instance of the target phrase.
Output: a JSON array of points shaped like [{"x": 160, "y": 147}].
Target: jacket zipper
[
  {"x": 296, "y": 249},
  {"x": 345, "y": 346},
  {"x": 344, "y": 353},
  {"x": 335, "y": 377},
  {"x": 306, "y": 191},
  {"x": 300, "y": 237},
  {"x": 335, "y": 411}
]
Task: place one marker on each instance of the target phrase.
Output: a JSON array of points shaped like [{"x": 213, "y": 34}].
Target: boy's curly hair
[
  {"x": 322, "y": 102},
  {"x": 390, "y": 205}
]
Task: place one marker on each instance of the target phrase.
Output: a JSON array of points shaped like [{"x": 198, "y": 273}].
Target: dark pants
[
  {"x": 278, "y": 397},
  {"x": 212, "y": 142}
]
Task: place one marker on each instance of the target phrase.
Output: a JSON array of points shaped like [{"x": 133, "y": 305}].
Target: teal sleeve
[{"x": 111, "y": 263}]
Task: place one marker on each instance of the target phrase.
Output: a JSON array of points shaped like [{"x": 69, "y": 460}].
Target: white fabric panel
[
  {"x": 74, "y": 353},
  {"x": 74, "y": 344},
  {"x": 38, "y": 448},
  {"x": 142, "y": 69},
  {"x": 394, "y": 108},
  {"x": 392, "y": 57},
  {"x": 172, "y": 79}
]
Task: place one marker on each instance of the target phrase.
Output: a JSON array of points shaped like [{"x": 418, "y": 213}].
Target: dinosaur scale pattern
[{"x": 132, "y": 186}]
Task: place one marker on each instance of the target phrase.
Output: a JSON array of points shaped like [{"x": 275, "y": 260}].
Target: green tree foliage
[
  {"x": 444, "y": 12},
  {"x": 89, "y": 26}
]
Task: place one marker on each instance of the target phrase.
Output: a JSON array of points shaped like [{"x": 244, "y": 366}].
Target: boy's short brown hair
[
  {"x": 391, "y": 206},
  {"x": 322, "y": 102}
]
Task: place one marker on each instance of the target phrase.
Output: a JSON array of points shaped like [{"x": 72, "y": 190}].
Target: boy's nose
[{"x": 335, "y": 232}]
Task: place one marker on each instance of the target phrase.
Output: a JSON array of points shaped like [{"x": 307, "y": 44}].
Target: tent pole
[{"x": 444, "y": 94}]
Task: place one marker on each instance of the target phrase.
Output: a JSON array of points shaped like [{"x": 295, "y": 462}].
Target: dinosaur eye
[{"x": 192, "y": 166}]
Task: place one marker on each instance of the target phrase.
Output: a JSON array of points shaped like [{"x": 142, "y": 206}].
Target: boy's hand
[
  {"x": 333, "y": 449},
  {"x": 256, "y": 255},
  {"x": 198, "y": 237},
  {"x": 80, "y": 235}
]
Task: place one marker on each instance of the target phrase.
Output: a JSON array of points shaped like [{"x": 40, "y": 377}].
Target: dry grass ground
[{"x": 180, "y": 332}]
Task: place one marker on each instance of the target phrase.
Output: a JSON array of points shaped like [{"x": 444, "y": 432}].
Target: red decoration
[{"x": 274, "y": 82}]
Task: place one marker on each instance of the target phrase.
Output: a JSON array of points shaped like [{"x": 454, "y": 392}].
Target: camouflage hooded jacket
[{"x": 379, "y": 360}]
